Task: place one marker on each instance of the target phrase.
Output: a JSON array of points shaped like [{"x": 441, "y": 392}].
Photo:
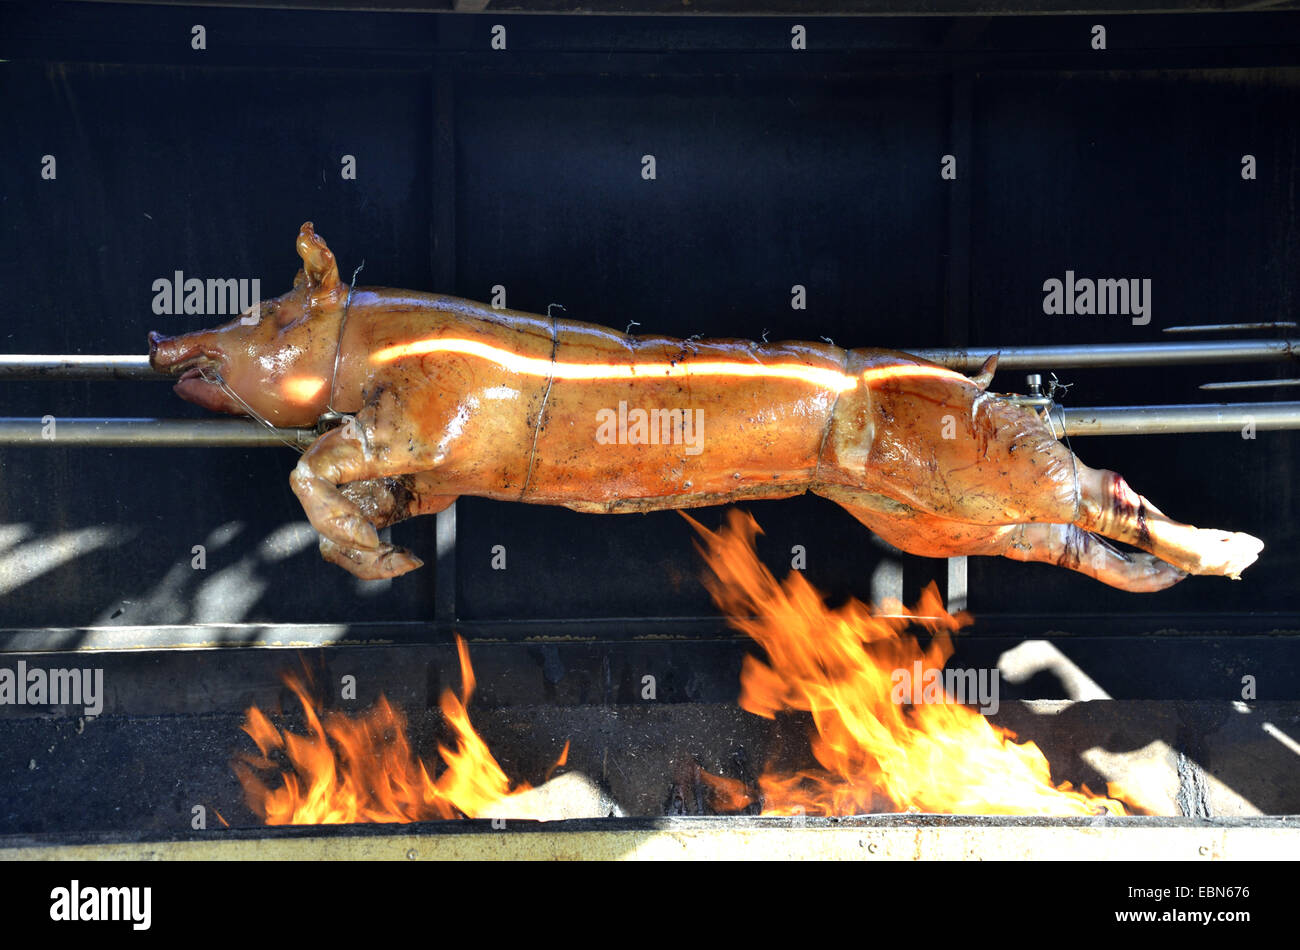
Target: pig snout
[
  {"x": 192, "y": 357},
  {"x": 164, "y": 352},
  {"x": 168, "y": 354},
  {"x": 155, "y": 338}
]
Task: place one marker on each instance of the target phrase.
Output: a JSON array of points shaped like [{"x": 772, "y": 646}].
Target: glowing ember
[
  {"x": 363, "y": 769},
  {"x": 839, "y": 664}
]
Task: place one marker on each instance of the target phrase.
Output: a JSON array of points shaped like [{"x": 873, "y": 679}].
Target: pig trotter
[
  {"x": 348, "y": 515},
  {"x": 1069, "y": 546},
  {"x": 1110, "y": 507},
  {"x": 385, "y": 561},
  {"x": 383, "y": 502}
]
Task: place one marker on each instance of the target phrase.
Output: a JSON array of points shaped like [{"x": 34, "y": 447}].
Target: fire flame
[
  {"x": 838, "y": 664},
  {"x": 362, "y": 769}
]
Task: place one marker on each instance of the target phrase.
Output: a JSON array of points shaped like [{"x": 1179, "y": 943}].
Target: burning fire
[
  {"x": 362, "y": 769},
  {"x": 837, "y": 664}
]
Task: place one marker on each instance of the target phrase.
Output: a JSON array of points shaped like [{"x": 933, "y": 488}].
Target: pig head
[{"x": 279, "y": 356}]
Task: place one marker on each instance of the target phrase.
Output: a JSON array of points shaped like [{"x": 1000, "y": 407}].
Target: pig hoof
[
  {"x": 398, "y": 561},
  {"x": 1246, "y": 549},
  {"x": 387, "y": 561},
  {"x": 354, "y": 531},
  {"x": 1146, "y": 573},
  {"x": 1227, "y": 553}
]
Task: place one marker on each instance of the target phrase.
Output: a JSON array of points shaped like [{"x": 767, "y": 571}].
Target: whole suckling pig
[{"x": 449, "y": 397}]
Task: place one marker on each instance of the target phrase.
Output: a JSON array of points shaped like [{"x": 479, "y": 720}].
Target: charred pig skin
[{"x": 448, "y": 397}]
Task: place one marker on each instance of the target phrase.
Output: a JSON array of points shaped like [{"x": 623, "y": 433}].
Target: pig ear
[
  {"x": 985, "y": 375},
  {"x": 318, "y": 263}
]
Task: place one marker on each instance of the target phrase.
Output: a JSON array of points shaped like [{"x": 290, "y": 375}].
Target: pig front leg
[
  {"x": 383, "y": 502},
  {"x": 388, "y": 500},
  {"x": 348, "y": 536},
  {"x": 1065, "y": 545}
]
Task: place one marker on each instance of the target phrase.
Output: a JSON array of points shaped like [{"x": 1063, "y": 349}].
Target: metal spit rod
[
  {"x": 1098, "y": 355},
  {"x": 1073, "y": 356},
  {"x": 1166, "y": 420},
  {"x": 1249, "y": 384},
  {"x": 1110, "y": 420},
  {"x": 74, "y": 367},
  {"x": 1232, "y": 327},
  {"x": 194, "y": 433},
  {"x": 228, "y": 433}
]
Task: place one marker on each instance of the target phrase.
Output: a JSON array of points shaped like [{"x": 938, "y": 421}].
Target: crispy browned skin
[{"x": 451, "y": 397}]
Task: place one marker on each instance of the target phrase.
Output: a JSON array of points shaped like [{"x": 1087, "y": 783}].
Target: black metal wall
[{"x": 522, "y": 167}]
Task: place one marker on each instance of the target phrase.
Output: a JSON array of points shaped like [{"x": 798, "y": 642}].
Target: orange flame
[
  {"x": 727, "y": 794},
  {"x": 839, "y": 665},
  {"x": 362, "y": 769}
]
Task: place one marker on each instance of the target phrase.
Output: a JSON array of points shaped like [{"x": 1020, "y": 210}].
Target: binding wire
[
  {"x": 214, "y": 377},
  {"x": 338, "y": 348}
]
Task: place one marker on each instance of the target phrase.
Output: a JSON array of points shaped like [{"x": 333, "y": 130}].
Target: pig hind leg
[
  {"x": 1011, "y": 469},
  {"x": 1065, "y": 545},
  {"x": 1108, "y": 506},
  {"x": 1052, "y": 485}
]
